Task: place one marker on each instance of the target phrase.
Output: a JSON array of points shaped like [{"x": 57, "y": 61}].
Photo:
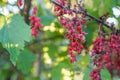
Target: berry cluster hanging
[
  {"x": 73, "y": 25},
  {"x": 35, "y": 22}
]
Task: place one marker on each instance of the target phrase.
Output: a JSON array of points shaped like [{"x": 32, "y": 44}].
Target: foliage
[
  {"x": 11, "y": 36},
  {"x": 24, "y": 62}
]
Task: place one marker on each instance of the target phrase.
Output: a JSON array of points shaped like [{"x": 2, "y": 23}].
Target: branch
[
  {"x": 82, "y": 12},
  {"x": 25, "y": 10}
]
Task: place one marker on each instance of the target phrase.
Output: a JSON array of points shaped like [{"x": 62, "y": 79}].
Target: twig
[{"x": 82, "y": 12}]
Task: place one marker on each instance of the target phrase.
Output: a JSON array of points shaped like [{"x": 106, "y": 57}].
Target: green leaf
[
  {"x": 14, "y": 35},
  {"x": 90, "y": 30},
  {"x": 25, "y": 60},
  {"x": 86, "y": 74},
  {"x": 14, "y": 53},
  {"x": 47, "y": 19},
  {"x": 105, "y": 74}
]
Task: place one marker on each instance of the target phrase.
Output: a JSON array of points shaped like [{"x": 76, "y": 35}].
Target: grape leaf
[
  {"x": 14, "y": 34},
  {"x": 25, "y": 60},
  {"x": 105, "y": 74}
]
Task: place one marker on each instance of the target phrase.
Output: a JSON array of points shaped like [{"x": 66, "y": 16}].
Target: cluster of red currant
[
  {"x": 106, "y": 53},
  {"x": 95, "y": 74},
  {"x": 35, "y": 22},
  {"x": 73, "y": 25}
]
